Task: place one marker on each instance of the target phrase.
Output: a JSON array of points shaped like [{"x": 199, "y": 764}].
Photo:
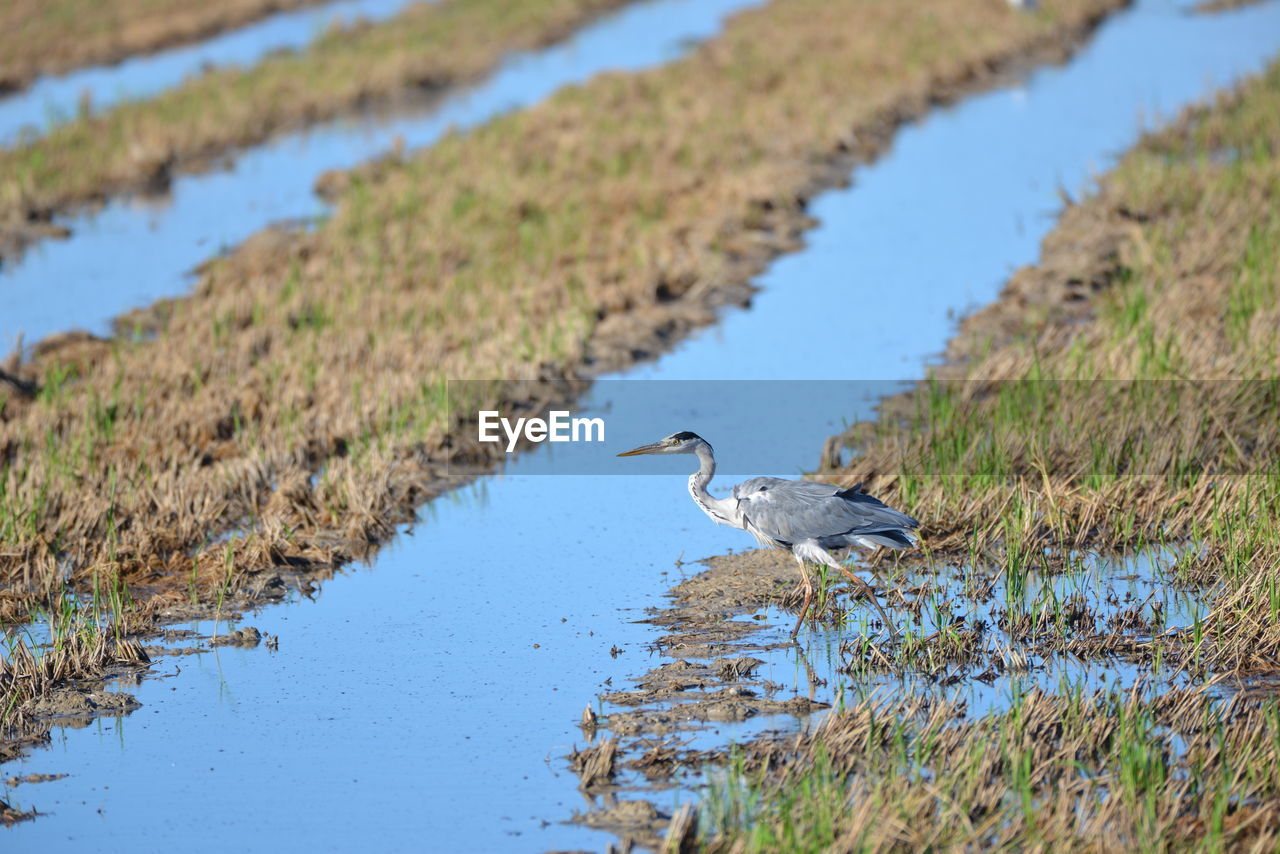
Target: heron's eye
[{"x": 673, "y": 441}]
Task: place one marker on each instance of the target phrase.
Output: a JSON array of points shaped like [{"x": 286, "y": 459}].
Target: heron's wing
[{"x": 790, "y": 511}]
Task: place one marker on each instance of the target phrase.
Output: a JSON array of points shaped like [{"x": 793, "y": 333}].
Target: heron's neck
[{"x": 719, "y": 509}]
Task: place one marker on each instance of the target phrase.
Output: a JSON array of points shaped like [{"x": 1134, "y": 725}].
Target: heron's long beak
[{"x": 651, "y": 448}]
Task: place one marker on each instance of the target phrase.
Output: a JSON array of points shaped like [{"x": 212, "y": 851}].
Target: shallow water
[
  {"x": 92, "y": 277},
  {"x": 1142, "y": 581},
  {"x": 430, "y": 698},
  {"x": 54, "y": 99}
]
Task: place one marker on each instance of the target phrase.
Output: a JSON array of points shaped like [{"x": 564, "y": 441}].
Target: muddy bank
[
  {"x": 708, "y": 676},
  {"x": 52, "y": 37},
  {"x": 708, "y": 640},
  {"x": 61, "y": 687},
  {"x": 963, "y": 623}
]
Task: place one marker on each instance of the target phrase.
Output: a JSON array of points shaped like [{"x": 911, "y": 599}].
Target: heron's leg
[
  {"x": 808, "y": 596},
  {"x": 864, "y": 590}
]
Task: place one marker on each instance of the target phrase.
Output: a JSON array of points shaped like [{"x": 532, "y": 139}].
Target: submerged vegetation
[{"x": 1122, "y": 394}]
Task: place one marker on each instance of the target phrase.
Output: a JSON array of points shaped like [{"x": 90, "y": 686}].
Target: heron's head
[{"x": 683, "y": 442}]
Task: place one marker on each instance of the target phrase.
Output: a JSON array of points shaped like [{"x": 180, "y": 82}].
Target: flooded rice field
[
  {"x": 56, "y": 98},
  {"x": 383, "y": 706},
  {"x": 275, "y": 183}
]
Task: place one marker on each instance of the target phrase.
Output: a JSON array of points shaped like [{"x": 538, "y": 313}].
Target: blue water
[
  {"x": 425, "y": 702},
  {"x": 54, "y": 99}
]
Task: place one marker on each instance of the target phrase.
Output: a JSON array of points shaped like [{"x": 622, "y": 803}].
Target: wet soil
[
  {"x": 33, "y": 778},
  {"x": 247, "y": 637},
  {"x": 722, "y": 617},
  {"x": 708, "y": 676},
  {"x": 77, "y": 707},
  {"x": 10, "y": 816}
]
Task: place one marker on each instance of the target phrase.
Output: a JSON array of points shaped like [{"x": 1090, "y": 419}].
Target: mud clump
[
  {"x": 699, "y": 711},
  {"x": 635, "y": 823},
  {"x": 685, "y": 694},
  {"x": 1212, "y": 7},
  {"x": 733, "y": 669},
  {"x": 245, "y": 637},
  {"x": 78, "y": 707},
  {"x": 595, "y": 766},
  {"x": 32, "y": 778}
]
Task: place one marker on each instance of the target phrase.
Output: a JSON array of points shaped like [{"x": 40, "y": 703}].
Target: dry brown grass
[
  {"x": 137, "y": 146},
  {"x": 52, "y": 36},
  {"x": 1077, "y": 773},
  {"x": 25, "y": 675},
  {"x": 298, "y": 393}
]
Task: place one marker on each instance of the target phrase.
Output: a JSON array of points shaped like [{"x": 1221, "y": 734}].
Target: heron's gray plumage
[
  {"x": 800, "y": 516},
  {"x": 791, "y": 511}
]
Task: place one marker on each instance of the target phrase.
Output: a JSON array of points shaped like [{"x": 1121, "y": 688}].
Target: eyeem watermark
[
  {"x": 785, "y": 427},
  {"x": 559, "y": 427}
]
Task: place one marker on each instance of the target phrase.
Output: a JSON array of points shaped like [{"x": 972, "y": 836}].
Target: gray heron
[{"x": 799, "y": 516}]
